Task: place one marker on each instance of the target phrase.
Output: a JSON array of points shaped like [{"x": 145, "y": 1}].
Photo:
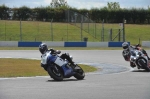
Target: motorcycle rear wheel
[
  {"x": 55, "y": 74},
  {"x": 144, "y": 65},
  {"x": 79, "y": 73}
]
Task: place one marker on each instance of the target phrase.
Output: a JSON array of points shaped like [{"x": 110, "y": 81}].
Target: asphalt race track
[{"x": 116, "y": 80}]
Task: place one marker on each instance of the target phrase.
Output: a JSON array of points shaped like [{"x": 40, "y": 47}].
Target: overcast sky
[{"x": 88, "y": 4}]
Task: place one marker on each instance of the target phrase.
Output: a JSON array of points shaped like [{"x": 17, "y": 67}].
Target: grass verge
[{"x": 11, "y": 67}]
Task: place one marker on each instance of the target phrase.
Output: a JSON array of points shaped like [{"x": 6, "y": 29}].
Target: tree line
[{"x": 112, "y": 13}]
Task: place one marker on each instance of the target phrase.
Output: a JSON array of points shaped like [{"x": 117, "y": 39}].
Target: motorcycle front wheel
[
  {"x": 55, "y": 73},
  {"x": 79, "y": 73}
]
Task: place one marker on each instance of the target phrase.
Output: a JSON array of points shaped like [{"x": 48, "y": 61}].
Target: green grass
[
  {"x": 25, "y": 68},
  {"x": 136, "y": 32},
  {"x": 42, "y": 31}
]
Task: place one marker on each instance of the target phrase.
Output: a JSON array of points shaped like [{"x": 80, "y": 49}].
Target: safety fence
[
  {"x": 76, "y": 27},
  {"x": 100, "y": 31}
]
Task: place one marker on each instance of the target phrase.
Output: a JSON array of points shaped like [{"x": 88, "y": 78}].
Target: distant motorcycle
[
  {"x": 137, "y": 58},
  {"x": 59, "y": 68}
]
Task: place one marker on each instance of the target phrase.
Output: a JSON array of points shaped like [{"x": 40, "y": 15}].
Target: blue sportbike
[{"x": 59, "y": 68}]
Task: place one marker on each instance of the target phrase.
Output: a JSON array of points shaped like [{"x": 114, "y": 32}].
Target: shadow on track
[
  {"x": 140, "y": 71},
  {"x": 65, "y": 80}
]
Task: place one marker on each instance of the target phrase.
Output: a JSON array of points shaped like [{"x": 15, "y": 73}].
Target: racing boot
[
  {"x": 72, "y": 64},
  {"x": 67, "y": 56},
  {"x": 132, "y": 65}
]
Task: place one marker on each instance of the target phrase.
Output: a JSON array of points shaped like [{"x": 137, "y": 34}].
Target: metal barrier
[{"x": 60, "y": 44}]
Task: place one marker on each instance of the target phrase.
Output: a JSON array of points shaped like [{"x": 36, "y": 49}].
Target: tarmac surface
[{"x": 115, "y": 80}]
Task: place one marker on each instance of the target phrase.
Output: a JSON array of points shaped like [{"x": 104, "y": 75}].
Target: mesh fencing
[
  {"x": 84, "y": 23},
  {"x": 77, "y": 27}
]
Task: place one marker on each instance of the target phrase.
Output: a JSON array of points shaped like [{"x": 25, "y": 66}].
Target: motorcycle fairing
[
  {"x": 68, "y": 71},
  {"x": 59, "y": 61}
]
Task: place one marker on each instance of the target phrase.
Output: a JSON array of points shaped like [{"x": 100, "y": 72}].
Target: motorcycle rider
[
  {"x": 126, "y": 51},
  {"x": 44, "y": 49}
]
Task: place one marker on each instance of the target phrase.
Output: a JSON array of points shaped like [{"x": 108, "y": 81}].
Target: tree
[
  {"x": 104, "y": 13},
  {"x": 113, "y": 5},
  {"x": 4, "y": 12},
  {"x": 134, "y": 14},
  {"x": 58, "y": 3},
  {"x": 23, "y": 12}
]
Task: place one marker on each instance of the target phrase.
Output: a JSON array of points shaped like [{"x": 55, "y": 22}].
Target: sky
[{"x": 79, "y": 4}]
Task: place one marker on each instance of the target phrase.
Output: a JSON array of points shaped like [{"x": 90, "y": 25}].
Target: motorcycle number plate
[{"x": 59, "y": 61}]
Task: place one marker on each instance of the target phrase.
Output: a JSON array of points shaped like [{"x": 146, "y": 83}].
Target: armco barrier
[
  {"x": 97, "y": 44},
  {"x": 58, "y": 44},
  {"x": 115, "y": 44},
  {"x": 29, "y": 44},
  {"x": 9, "y": 43},
  {"x": 75, "y": 44},
  {"x": 66, "y": 44},
  {"x": 146, "y": 43}
]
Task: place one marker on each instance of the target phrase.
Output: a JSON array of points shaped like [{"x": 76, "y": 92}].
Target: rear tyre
[
  {"x": 79, "y": 73},
  {"x": 55, "y": 73},
  {"x": 144, "y": 65}
]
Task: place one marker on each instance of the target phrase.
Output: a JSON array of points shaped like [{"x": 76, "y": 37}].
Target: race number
[{"x": 59, "y": 61}]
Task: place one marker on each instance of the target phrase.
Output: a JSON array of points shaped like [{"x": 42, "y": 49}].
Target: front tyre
[
  {"x": 79, "y": 73},
  {"x": 55, "y": 73}
]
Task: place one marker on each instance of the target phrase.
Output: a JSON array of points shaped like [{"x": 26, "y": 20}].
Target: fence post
[
  {"x": 140, "y": 41},
  {"x": 110, "y": 35},
  {"x": 38, "y": 28},
  {"x": 95, "y": 29},
  {"x": 68, "y": 23},
  {"x": 119, "y": 35},
  {"x": 5, "y": 30},
  {"x": 102, "y": 34},
  {"x": 123, "y": 30},
  {"x": 88, "y": 24},
  {"x": 20, "y": 30},
  {"x": 52, "y": 29},
  {"x": 81, "y": 26},
  {"x": 67, "y": 30}
]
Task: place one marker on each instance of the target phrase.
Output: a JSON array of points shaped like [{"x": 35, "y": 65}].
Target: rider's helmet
[
  {"x": 125, "y": 45},
  {"x": 43, "y": 48}
]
